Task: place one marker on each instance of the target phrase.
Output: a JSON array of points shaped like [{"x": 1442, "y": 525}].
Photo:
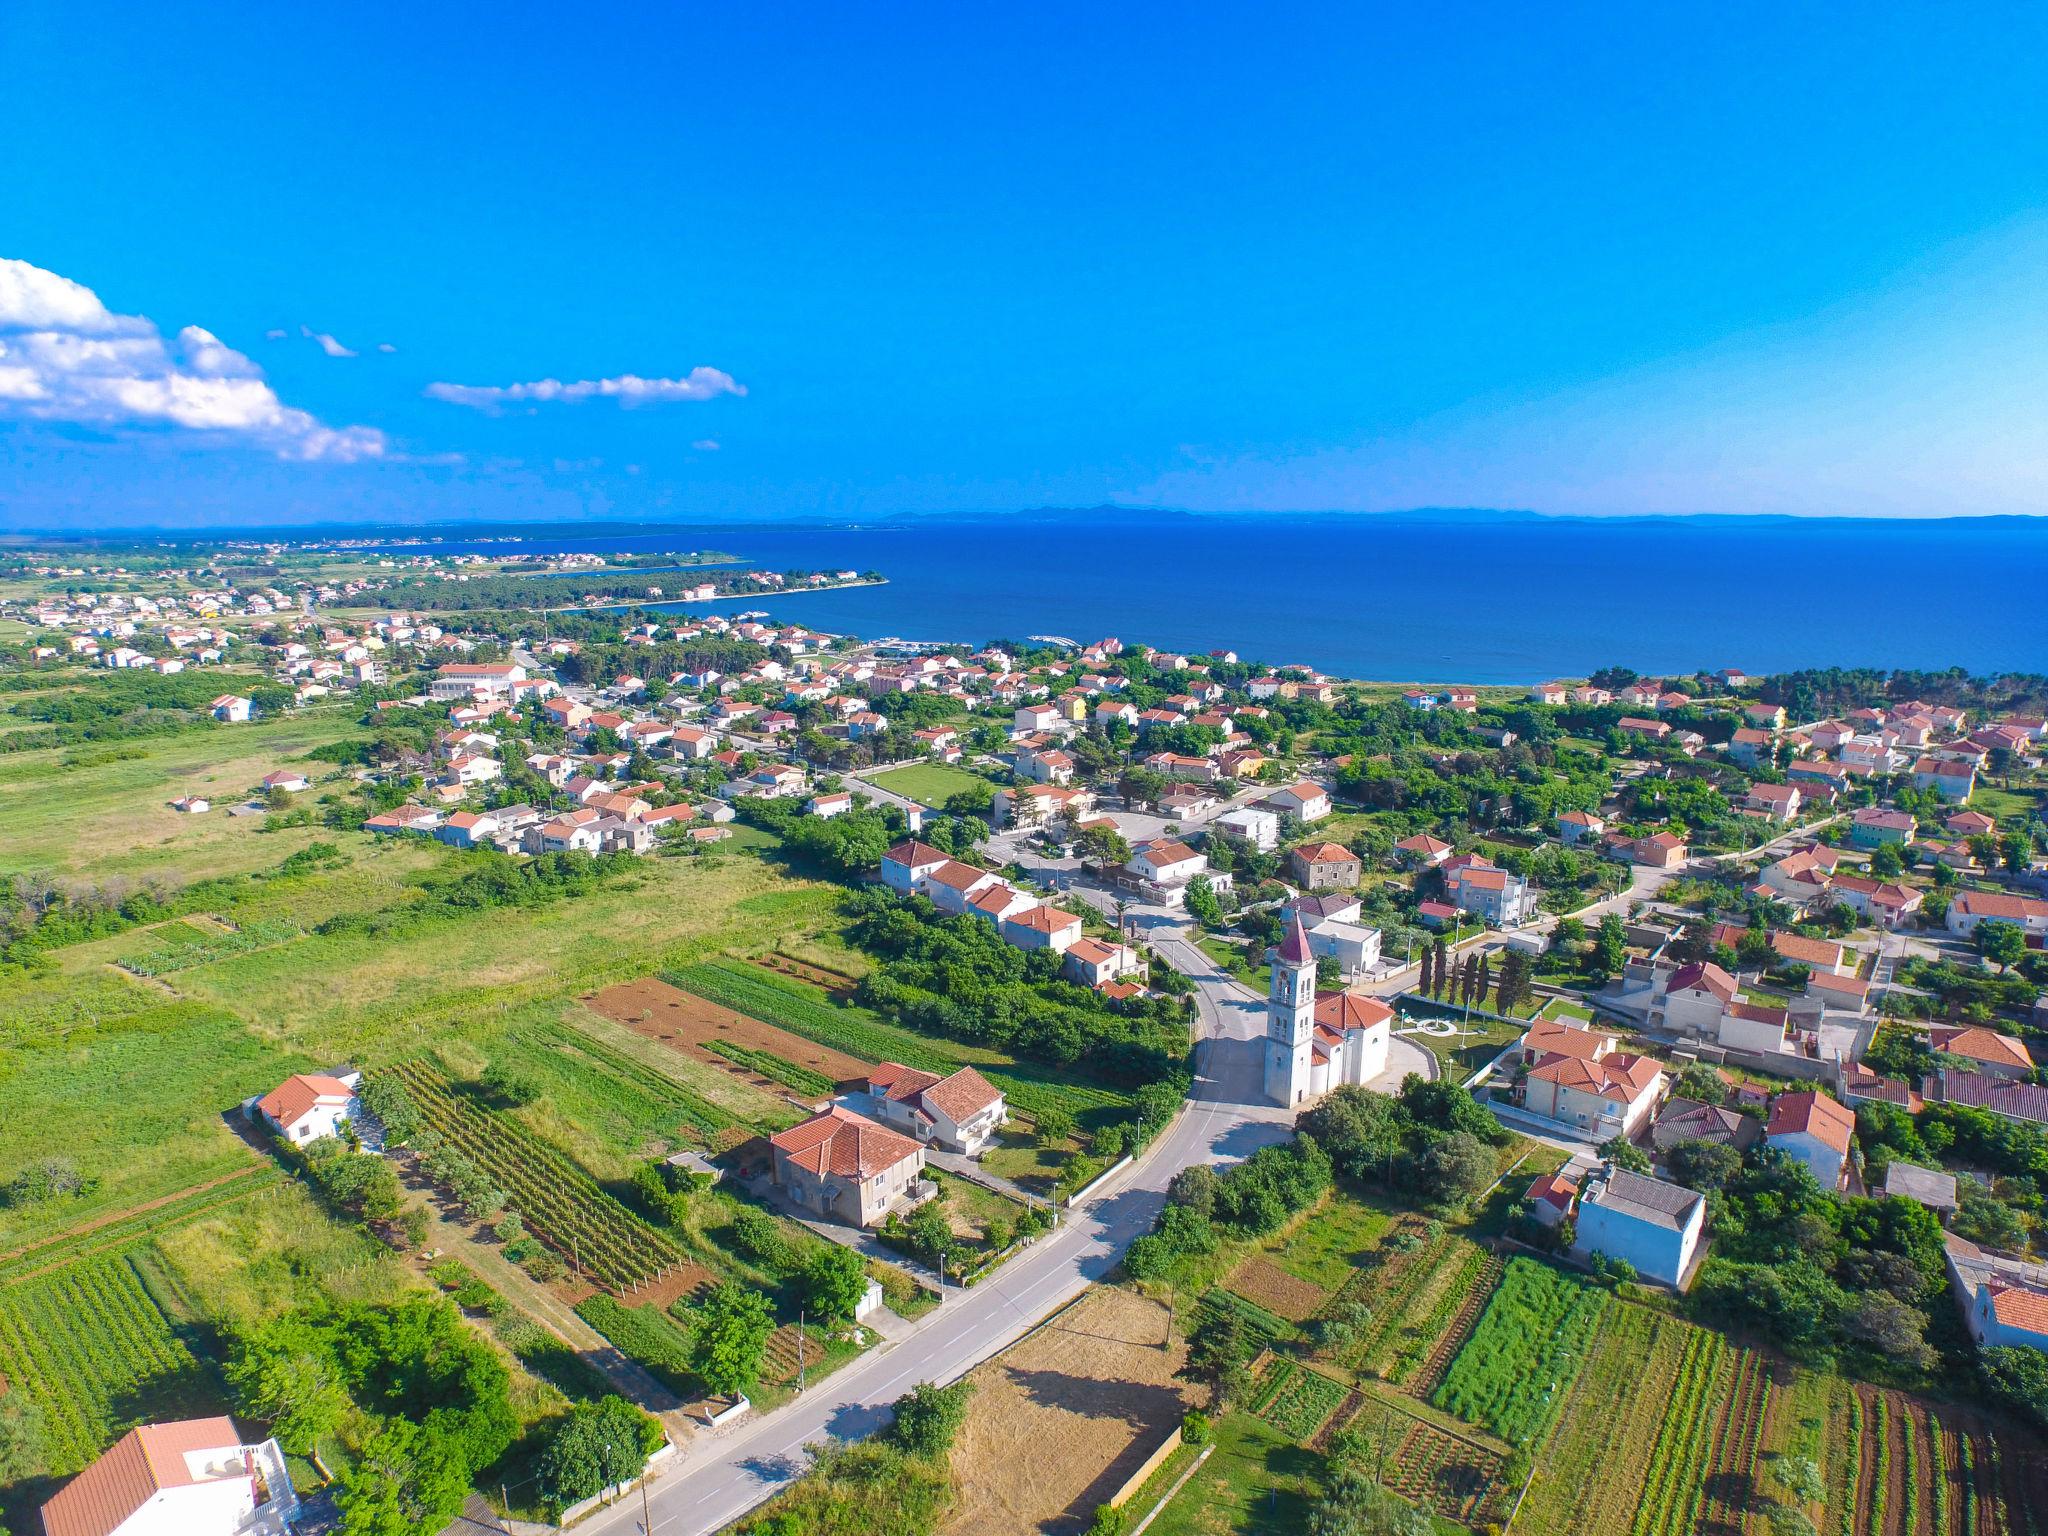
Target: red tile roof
[
  {"x": 843, "y": 1143},
  {"x": 1812, "y": 1114},
  {"x": 300, "y": 1092},
  {"x": 134, "y": 1470},
  {"x": 1293, "y": 948},
  {"x": 1981, "y": 1044}
]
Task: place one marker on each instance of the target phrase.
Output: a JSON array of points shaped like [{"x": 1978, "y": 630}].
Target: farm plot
[
  {"x": 1676, "y": 1489},
  {"x": 90, "y": 1348},
  {"x": 1414, "y": 1286},
  {"x": 1449, "y": 1475},
  {"x": 1453, "y": 1318},
  {"x": 1592, "y": 1471},
  {"x": 863, "y": 1036},
  {"x": 1523, "y": 1355},
  {"x": 559, "y": 1202},
  {"x": 721, "y": 1037},
  {"x": 1918, "y": 1468},
  {"x": 1738, "y": 1441},
  {"x": 1258, "y": 1279},
  {"x": 179, "y": 946},
  {"x": 1060, "y": 1419},
  {"x": 1297, "y": 1400}
]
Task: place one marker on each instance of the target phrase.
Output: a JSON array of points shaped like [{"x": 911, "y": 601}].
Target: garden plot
[
  {"x": 1258, "y": 1279},
  {"x": 756, "y": 1053}
]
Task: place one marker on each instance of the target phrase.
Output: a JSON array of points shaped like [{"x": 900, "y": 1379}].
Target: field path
[{"x": 111, "y": 1217}]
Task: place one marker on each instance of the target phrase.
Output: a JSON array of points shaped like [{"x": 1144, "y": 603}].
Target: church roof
[{"x": 1294, "y": 948}]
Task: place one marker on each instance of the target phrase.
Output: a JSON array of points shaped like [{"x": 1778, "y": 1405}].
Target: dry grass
[
  {"x": 1061, "y": 1419},
  {"x": 658, "y": 1011},
  {"x": 1259, "y": 1279}
]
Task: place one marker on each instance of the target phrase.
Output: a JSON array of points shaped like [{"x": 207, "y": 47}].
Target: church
[{"x": 1316, "y": 1044}]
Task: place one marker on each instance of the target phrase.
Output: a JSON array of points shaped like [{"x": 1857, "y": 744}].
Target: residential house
[
  {"x": 1550, "y": 1198},
  {"x": 1986, "y": 1050},
  {"x": 477, "y": 680},
  {"x": 1639, "y": 729},
  {"x": 1423, "y": 851},
  {"x": 959, "y": 1113},
  {"x": 1966, "y": 824},
  {"x": 1873, "y": 825},
  {"x": 1816, "y": 1130},
  {"x": 1660, "y": 850},
  {"x": 829, "y": 805},
  {"x": 1303, "y": 799},
  {"x": 953, "y": 884},
  {"x": 192, "y": 805},
  {"x": 1951, "y": 779},
  {"x": 1972, "y": 908},
  {"x": 232, "y": 708},
  {"x": 1767, "y": 717},
  {"x": 1683, "y": 1120},
  {"x": 1774, "y": 802},
  {"x": 1258, "y": 827},
  {"x": 1042, "y": 926},
  {"x": 309, "y": 1105},
  {"x": 1924, "y": 1186},
  {"x": 190, "y": 1477},
  {"x": 1167, "y": 863},
  {"x": 1092, "y": 963},
  {"x": 1188, "y": 802},
  {"x": 468, "y": 829},
  {"x": 1324, "y": 866},
  {"x": 1601, "y": 1097},
  {"x": 1576, "y": 827},
  {"x": 287, "y": 781},
  {"x": 2021, "y": 1103},
  {"x": 909, "y": 865},
  {"x": 843, "y": 1167},
  {"x": 1504, "y": 900},
  {"x": 1750, "y": 747},
  {"x": 1653, "y": 1226},
  {"x": 1036, "y": 805},
  {"x": 2004, "y": 1298}
]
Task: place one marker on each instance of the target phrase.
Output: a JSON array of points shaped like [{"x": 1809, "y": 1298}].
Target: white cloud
[
  {"x": 326, "y": 344},
  {"x": 628, "y": 389},
  {"x": 706, "y": 445},
  {"x": 385, "y": 346},
  {"x": 273, "y": 335},
  {"x": 65, "y": 357}
]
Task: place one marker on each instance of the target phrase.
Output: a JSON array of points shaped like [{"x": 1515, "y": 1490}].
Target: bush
[
  {"x": 928, "y": 1417},
  {"x": 1195, "y": 1428}
]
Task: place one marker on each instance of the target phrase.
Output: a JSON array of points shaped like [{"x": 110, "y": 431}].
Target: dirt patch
[
  {"x": 688, "y": 1023},
  {"x": 1259, "y": 1279},
  {"x": 1062, "y": 1418},
  {"x": 690, "y": 1281}
]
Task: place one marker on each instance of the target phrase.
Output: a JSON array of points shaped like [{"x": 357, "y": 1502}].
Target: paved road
[{"x": 718, "y": 1478}]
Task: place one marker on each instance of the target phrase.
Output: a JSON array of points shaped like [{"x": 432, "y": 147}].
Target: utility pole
[
  {"x": 800, "y": 1381},
  {"x": 646, "y": 1516}
]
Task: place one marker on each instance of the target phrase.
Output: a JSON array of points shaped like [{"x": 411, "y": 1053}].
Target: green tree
[
  {"x": 596, "y": 1446},
  {"x": 286, "y": 1373},
  {"x": 2020, "y": 1376},
  {"x": 1703, "y": 1164},
  {"x": 928, "y": 1417},
  {"x": 1623, "y": 1153},
  {"x": 407, "y": 1480},
  {"x": 21, "y": 1439},
  {"x": 1698, "y": 1081},
  {"x": 1886, "y": 862},
  {"x": 732, "y": 1338},
  {"x": 1203, "y": 904},
  {"x": 1610, "y": 948},
  {"x": 1456, "y": 1168},
  {"x": 2003, "y": 944},
  {"x": 834, "y": 1280}
]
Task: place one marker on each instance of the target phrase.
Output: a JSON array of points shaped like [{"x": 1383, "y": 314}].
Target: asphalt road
[{"x": 719, "y": 1477}]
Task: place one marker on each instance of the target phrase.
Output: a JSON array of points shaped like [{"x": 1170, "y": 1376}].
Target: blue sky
[{"x": 893, "y": 259}]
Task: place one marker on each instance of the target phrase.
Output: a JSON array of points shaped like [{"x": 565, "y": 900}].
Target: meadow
[{"x": 931, "y": 784}]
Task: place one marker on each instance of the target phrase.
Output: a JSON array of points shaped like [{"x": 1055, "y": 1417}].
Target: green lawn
[
  {"x": 927, "y": 783},
  {"x": 2010, "y": 806},
  {"x": 1257, "y": 1481}
]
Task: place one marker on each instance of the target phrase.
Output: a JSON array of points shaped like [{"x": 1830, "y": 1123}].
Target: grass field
[
  {"x": 102, "y": 810},
  {"x": 927, "y": 783}
]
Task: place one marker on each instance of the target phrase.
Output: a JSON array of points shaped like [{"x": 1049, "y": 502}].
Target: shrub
[{"x": 928, "y": 1417}]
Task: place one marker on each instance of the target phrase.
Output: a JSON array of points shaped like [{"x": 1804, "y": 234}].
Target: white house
[
  {"x": 957, "y": 1113},
  {"x": 1305, "y": 800},
  {"x": 1092, "y": 963},
  {"x": 232, "y": 707},
  {"x": 1257, "y": 826},
  {"x": 1652, "y": 1225},
  {"x": 309, "y": 1105},
  {"x": 1167, "y": 863},
  {"x": 907, "y": 867},
  {"x": 1041, "y": 926},
  {"x": 192, "y": 1477},
  {"x": 1974, "y": 907},
  {"x": 2004, "y": 1299},
  {"x": 1814, "y": 1129}
]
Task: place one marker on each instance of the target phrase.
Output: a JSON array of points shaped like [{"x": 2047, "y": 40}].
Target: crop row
[
  {"x": 560, "y": 1203},
  {"x": 1303, "y": 1402},
  {"x": 1854, "y": 1457},
  {"x": 803, "y": 1011},
  {"x": 1678, "y": 1462},
  {"x": 773, "y": 1067},
  {"x": 1441, "y": 1473},
  {"x": 699, "y": 1113},
  {"x": 1391, "y": 1283},
  {"x": 182, "y": 946},
  {"x": 1525, "y": 1352},
  {"x": 1739, "y": 1440},
  {"x": 1260, "y": 1328},
  {"x": 122, "y": 1231},
  {"x": 84, "y": 1343},
  {"x": 1443, "y": 1331},
  {"x": 1277, "y": 1374}
]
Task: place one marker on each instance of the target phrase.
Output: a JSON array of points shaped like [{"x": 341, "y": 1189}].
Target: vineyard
[
  {"x": 693, "y": 1112},
  {"x": 803, "y": 1011},
  {"x": 92, "y": 1350},
  {"x": 1449, "y": 1475},
  {"x": 1522, "y": 1357},
  {"x": 560, "y": 1203}
]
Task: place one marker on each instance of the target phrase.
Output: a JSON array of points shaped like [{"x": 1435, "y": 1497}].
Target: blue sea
[{"x": 1419, "y": 598}]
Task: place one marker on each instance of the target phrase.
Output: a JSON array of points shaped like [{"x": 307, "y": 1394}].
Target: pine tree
[
  {"x": 1469, "y": 983},
  {"x": 1443, "y": 969},
  {"x": 1428, "y": 972},
  {"x": 1485, "y": 979}
]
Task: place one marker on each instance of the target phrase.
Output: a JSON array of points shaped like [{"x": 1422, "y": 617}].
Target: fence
[{"x": 1151, "y": 1464}]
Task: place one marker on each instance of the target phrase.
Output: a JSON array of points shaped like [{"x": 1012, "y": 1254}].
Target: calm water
[{"x": 1420, "y": 599}]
